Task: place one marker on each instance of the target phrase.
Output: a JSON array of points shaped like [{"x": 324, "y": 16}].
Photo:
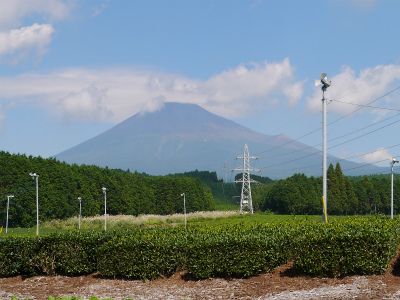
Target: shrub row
[
  {"x": 359, "y": 247},
  {"x": 342, "y": 248}
]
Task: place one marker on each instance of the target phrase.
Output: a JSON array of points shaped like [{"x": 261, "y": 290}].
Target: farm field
[
  {"x": 220, "y": 253},
  {"x": 196, "y": 219}
]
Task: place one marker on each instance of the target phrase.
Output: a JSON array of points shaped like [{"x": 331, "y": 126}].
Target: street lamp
[
  {"x": 80, "y": 212},
  {"x": 394, "y": 161},
  {"x": 325, "y": 84},
  {"x": 8, "y": 206},
  {"x": 184, "y": 207},
  {"x": 105, "y": 207},
  {"x": 36, "y": 178}
]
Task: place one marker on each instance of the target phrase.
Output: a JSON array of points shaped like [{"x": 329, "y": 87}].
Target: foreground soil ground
[{"x": 276, "y": 285}]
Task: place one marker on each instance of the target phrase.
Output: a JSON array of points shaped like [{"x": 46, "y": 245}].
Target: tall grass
[{"x": 126, "y": 221}]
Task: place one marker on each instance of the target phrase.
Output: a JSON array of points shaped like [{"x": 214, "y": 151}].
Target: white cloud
[
  {"x": 18, "y": 41},
  {"x": 361, "y": 88},
  {"x": 35, "y": 37},
  {"x": 12, "y": 12},
  {"x": 118, "y": 93},
  {"x": 379, "y": 155}
]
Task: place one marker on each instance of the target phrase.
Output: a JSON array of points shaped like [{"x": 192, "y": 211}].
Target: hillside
[{"x": 60, "y": 185}]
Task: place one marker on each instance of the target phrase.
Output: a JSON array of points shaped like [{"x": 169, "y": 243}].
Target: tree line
[
  {"x": 300, "y": 194},
  {"x": 60, "y": 185}
]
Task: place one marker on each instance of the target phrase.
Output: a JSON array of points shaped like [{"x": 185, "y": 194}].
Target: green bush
[
  {"x": 347, "y": 248},
  {"x": 144, "y": 255},
  {"x": 237, "y": 252},
  {"x": 15, "y": 255},
  {"x": 68, "y": 253},
  {"x": 343, "y": 247}
]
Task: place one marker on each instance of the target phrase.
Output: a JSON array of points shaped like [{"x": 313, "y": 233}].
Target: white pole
[
  {"x": 393, "y": 162},
  {"x": 324, "y": 159},
  {"x": 8, "y": 206},
  {"x": 105, "y": 208},
  {"x": 37, "y": 205},
  {"x": 391, "y": 198},
  {"x": 80, "y": 212},
  {"x": 184, "y": 208}
]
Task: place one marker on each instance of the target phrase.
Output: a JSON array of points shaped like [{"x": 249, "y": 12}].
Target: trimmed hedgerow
[
  {"x": 15, "y": 255},
  {"x": 145, "y": 255},
  {"x": 347, "y": 248},
  {"x": 236, "y": 252},
  {"x": 68, "y": 253}
]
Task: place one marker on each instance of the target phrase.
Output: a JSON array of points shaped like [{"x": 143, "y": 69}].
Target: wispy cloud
[
  {"x": 19, "y": 41},
  {"x": 377, "y": 156},
  {"x": 99, "y": 9},
  {"x": 361, "y": 88},
  {"x": 118, "y": 93}
]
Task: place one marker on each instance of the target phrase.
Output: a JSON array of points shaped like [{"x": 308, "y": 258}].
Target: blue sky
[{"x": 71, "y": 69}]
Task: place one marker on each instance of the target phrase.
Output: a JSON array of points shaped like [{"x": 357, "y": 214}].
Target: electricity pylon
[{"x": 246, "y": 201}]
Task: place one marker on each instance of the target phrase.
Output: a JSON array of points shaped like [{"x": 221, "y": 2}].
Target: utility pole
[
  {"x": 184, "y": 207},
  {"x": 394, "y": 161},
  {"x": 105, "y": 207},
  {"x": 36, "y": 177},
  {"x": 80, "y": 212},
  {"x": 325, "y": 84},
  {"x": 246, "y": 201},
  {"x": 8, "y": 207}
]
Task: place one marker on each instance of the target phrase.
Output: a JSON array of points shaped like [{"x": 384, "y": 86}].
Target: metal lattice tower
[{"x": 246, "y": 201}]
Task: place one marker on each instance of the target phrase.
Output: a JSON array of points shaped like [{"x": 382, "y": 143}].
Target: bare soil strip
[{"x": 274, "y": 286}]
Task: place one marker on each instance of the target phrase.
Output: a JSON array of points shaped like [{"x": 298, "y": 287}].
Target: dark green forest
[
  {"x": 60, "y": 185},
  {"x": 300, "y": 194}
]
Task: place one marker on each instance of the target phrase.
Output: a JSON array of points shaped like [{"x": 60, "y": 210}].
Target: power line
[
  {"x": 341, "y": 136},
  {"x": 330, "y": 123},
  {"x": 338, "y": 160},
  {"x": 358, "y": 109},
  {"x": 366, "y": 106},
  {"x": 365, "y": 134}
]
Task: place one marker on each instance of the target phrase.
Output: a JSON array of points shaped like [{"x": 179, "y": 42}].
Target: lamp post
[
  {"x": 325, "y": 84},
  {"x": 80, "y": 212},
  {"x": 184, "y": 207},
  {"x": 105, "y": 207},
  {"x": 8, "y": 206},
  {"x": 394, "y": 161},
  {"x": 36, "y": 178}
]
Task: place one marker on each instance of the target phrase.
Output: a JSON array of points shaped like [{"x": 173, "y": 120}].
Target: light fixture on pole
[
  {"x": 105, "y": 207},
  {"x": 8, "y": 206},
  {"x": 394, "y": 161},
  {"x": 36, "y": 178},
  {"x": 184, "y": 207},
  {"x": 325, "y": 84},
  {"x": 80, "y": 212}
]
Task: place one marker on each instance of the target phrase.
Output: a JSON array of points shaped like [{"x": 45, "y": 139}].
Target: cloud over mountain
[{"x": 115, "y": 94}]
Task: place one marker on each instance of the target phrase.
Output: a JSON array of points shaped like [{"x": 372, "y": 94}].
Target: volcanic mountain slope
[{"x": 184, "y": 137}]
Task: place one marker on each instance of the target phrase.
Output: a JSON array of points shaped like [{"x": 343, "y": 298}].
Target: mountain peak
[{"x": 183, "y": 137}]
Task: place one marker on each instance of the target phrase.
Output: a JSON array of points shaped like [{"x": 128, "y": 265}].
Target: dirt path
[{"x": 274, "y": 286}]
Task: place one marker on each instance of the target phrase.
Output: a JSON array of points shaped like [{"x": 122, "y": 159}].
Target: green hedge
[
  {"x": 236, "y": 252},
  {"x": 144, "y": 255},
  {"x": 359, "y": 246},
  {"x": 68, "y": 253},
  {"x": 341, "y": 249}
]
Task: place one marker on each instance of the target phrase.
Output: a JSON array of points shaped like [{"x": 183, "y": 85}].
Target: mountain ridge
[{"x": 184, "y": 137}]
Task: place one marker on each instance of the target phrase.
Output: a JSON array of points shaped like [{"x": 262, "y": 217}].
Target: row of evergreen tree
[
  {"x": 300, "y": 194},
  {"x": 60, "y": 184}
]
